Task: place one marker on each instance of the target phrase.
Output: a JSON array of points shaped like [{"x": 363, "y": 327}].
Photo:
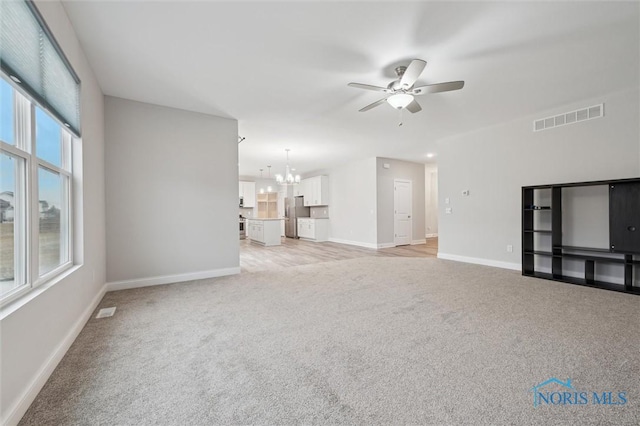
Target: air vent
[
  {"x": 571, "y": 117},
  {"x": 106, "y": 312}
]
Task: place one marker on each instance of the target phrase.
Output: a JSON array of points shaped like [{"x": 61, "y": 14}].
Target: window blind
[{"x": 30, "y": 55}]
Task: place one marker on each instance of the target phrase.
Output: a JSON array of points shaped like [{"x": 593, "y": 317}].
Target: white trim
[
  {"x": 170, "y": 279},
  {"x": 418, "y": 242},
  {"x": 22, "y": 405},
  {"x": 478, "y": 261},
  {"x": 385, "y": 245},
  {"x": 431, "y": 235},
  {"x": 354, "y": 243}
]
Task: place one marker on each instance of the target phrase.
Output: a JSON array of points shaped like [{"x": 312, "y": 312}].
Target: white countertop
[{"x": 264, "y": 219}]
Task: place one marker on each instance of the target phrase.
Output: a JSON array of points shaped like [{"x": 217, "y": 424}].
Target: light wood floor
[{"x": 254, "y": 257}]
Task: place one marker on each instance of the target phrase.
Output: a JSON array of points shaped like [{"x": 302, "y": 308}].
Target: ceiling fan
[{"x": 400, "y": 92}]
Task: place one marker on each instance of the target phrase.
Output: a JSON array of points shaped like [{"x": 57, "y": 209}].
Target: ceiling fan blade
[
  {"x": 439, "y": 87},
  {"x": 412, "y": 73},
  {"x": 373, "y": 105},
  {"x": 414, "y": 107},
  {"x": 368, "y": 87}
]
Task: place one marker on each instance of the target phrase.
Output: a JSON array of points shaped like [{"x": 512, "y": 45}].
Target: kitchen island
[{"x": 265, "y": 231}]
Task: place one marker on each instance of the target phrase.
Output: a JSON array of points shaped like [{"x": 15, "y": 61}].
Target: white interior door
[{"x": 402, "y": 206}]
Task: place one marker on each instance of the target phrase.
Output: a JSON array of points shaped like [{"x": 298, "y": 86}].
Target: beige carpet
[{"x": 361, "y": 341}]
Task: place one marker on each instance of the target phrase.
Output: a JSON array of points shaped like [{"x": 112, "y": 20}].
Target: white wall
[
  {"x": 265, "y": 184},
  {"x": 385, "y": 191},
  {"x": 494, "y": 163},
  {"x": 172, "y": 194},
  {"x": 35, "y": 335},
  {"x": 431, "y": 199},
  {"x": 352, "y": 203}
]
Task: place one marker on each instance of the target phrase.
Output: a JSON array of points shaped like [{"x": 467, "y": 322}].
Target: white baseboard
[
  {"x": 479, "y": 261},
  {"x": 391, "y": 245},
  {"x": 385, "y": 245},
  {"x": 353, "y": 243},
  {"x": 170, "y": 279},
  {"x": 24, "y": 402},
  {"x": 311, "y": 240},
  {"x": 431, "y": 235},
  {"x": 372, "y": 245}
]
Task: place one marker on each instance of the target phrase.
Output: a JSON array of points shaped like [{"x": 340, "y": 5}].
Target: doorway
[{"x": 402, "y": 207}]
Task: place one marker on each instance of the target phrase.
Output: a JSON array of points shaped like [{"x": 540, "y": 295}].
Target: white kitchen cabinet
[
  {"x": 302, "y": 189},
  {"x": 316, "y": 191},
  {"x": 313, "y": 229},
  {"x": 255, "y": 230},
  {"x": 247, "y": 191},
  {"x": 266, "y": 232},
  {"x": 303, "y": 228}
]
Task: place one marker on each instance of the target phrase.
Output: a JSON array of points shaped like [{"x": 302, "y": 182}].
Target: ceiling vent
[{"x": 576, "y": 116}]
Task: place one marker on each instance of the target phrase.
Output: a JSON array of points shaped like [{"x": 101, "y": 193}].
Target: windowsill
[{"x": 21, "y": 301}]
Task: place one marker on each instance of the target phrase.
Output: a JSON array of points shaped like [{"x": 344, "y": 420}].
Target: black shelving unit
[{"x": 624, "y": 235}]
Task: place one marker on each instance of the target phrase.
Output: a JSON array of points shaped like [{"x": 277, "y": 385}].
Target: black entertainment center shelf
[
  {"x": 539, "y": 253},
  {"x": 593, "y": 258},
  {"x": 583, "y": 282},
  {"x": 623, "y": 253},
  {"x": 588, "y": 183},
  {"x": 594, "y": 249}
]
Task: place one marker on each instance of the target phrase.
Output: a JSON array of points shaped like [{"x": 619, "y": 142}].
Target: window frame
[{"x": 26, "y": 196}]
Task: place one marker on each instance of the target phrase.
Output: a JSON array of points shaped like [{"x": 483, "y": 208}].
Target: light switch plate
[{"x": 447, "y": 210}]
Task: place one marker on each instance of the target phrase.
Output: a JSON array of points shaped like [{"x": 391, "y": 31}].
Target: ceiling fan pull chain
[{"x": 400, "y": 113}]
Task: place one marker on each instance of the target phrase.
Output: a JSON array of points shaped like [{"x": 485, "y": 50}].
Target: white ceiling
[{"x": 282, "y": 68}]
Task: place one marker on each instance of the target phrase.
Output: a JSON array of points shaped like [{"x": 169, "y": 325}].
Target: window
[{"x": 35, "y": 194}]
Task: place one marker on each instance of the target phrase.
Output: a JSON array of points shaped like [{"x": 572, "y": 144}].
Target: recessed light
[{"x": 430, "y": 155}]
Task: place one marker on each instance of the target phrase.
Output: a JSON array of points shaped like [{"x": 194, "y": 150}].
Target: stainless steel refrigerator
[{"x": 293, "y": 209}]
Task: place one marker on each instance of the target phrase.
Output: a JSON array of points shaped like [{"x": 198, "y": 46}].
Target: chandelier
[{"x": 288, "y": 178}]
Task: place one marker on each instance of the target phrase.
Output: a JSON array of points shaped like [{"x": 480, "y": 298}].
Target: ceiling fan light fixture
[{"x": 400, "y": 100}]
